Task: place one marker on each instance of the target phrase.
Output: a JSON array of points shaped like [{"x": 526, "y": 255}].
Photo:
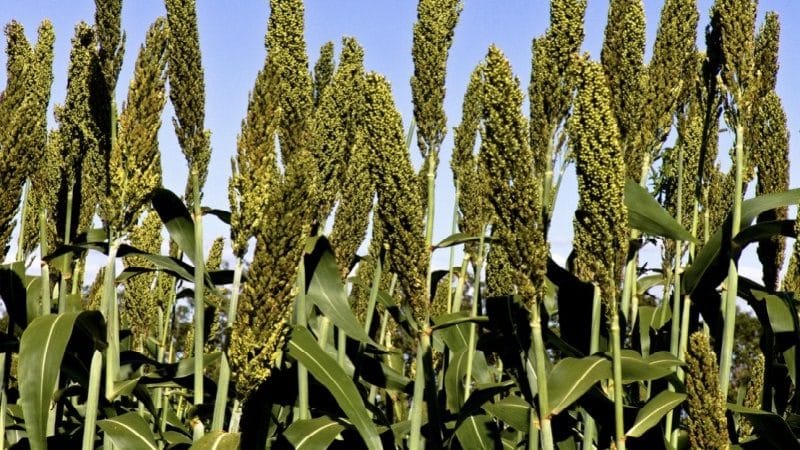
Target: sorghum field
[{"x": 306, "y": 343}]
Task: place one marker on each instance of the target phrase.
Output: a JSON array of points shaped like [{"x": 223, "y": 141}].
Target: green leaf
[
  {"x": 512, "y": 410},
  {"x": 460, "y": 238},
  {"x": 328, "y": 293},
  {"x": 457, "y": 318},
  {"x": 572, "y": 377},
  {"x": 305, "y": 350},
  {"x": 768, "y": 426},
  {"x": 453, "y": 331},
  {"x": 454, "y": 380},
  {"x": 780, "y": 316},
  {"x": 645, "y": 319},
  {"x": 665, "y": 360},
  {"x": 217, "y": 440},
  {"x": 708, "y": 256},
  {"x": 174, "y": 437},
  {"x": 14, "y": 293},
  {"x": 41, "y": 350},
  {"x": 313, "y": 434},
  {"x": 648, "y": 216},
  {"x": 475, "y": 432},
  {"x": 654, "y": 410},
  {"x": 176, "y": 217},
  {"x": 129, "y": 431},
  {"x": 636, "y": 368}
]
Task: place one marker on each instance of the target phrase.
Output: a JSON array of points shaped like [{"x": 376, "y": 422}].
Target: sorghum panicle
[{"x": 707, "y": 421}]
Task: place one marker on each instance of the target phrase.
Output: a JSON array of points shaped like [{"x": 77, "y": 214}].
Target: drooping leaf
[
  {"x": 475, "y": 432},
  {"x": 460, "y": 238},
  {"x": 14, "y": 294},
  {"x": 512, "y": 410},
  {"x": 129, "y": 431},
  {"x": 654, "y": 410},
  {"x": 780, "y": 316},
  {"x": 313, "y": 434},
  {"x": 327, "y": 291},
  {"x": 176, "y": 217},
  {"x": 217, "y": 440},
  {"x": 41, "y": 351},
  {"x": 648, "y": 216},
  {"x": 305, "y": 349},
  {"x": 708, "y": 260},
  {"x": 572, "y": 377},
  {"x": 636, "y": 368},
  {"x": 768, "y": 426}
]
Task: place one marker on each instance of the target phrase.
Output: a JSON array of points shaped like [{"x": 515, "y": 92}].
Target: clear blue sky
[{"x": 232, "y": 36}]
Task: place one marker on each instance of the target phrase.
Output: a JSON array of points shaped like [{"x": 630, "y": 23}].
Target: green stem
[
  {"x": 224, "y": 369},
  {"x": 462, "y": 280},
  {"x": 67, "y": 265},
  {"x": 92, "y": 401},
  {"x": 21, "y": 238},
  {"x": 619, "y": 423},
  {"x": 341, "y": 346},
  {"x": 417, "y": 405},
  {"x": 476, "y": 300},
  {"x": 539, "y": 354},
  {"x": 453, "y": 230},
  {"x": 594, "y": 347},
  {"x": 222, "y": 394},
  {"x": 110, "y": 309},
  {"x": 46, "y": 298},
  {"x": 732, "y": 283},
  {"x": 302, "y": 371},
  {"x": 199, "y": 291}
]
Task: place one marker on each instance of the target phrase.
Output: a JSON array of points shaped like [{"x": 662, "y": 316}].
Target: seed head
[
  {"x": 732, "y": 29},
  {"x": 286, "y": 54},
  {"x": 472, "y": 189},
  {"x": 268, "y": 294},
  {"x": 622, "y": 58},
  {"x": 336, "y": 123},
  {"x": 398, "y": 216},
  {"x": 255, "y": 176},
  {"x": 707, "y": 421},
  {"x": 187, "y": 88},
  {"x": 135, "y": 160},
  {"x": 514, "y": 190},
  {"x": 323, "y": 70},
  {"x": 111, "y": 40},
  {"x": 23, "y": 109},
  {"x": 601, "y": 222},
  {"x": 141, "y": 301},
  {"x": 671, "y": 72},
  {"x": 766, "y": 54},
  {"x": 770, "y": 151},
  {"x": 355, "y": 203},
  {"x": 433, "y": 36}
]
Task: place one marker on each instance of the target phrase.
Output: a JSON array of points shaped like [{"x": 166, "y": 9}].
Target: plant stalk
[
  {"x": 199, "y": 291},
  {"x": 224, "y": 369},
  {"x": 732, "y": 284},
  {"x": 302, "y": 371},
  {"x": 92, "y": 401}
]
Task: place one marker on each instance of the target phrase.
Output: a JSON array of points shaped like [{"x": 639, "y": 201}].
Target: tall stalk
[
  {"x": 732, "y": 283},
  {"x": 302, "y": 371},
  {"x": 224, "y": 369},
  {"x": 541, "y": 378},
  {"x": 199, "y": 288}
]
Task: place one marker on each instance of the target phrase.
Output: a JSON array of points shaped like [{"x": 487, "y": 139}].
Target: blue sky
[{"x": 232, "y": 36}]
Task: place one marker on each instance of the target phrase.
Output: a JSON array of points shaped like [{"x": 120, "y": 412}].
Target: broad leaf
[
  {"x": 327, "y": 291},
  {"x": 41, "y": 350},
  {"x": 313, "y": 433},
  {"x": 217, "y": 440},
  {"x": 654, "y": 410},
  {"x": 714, "y": 252},
  {"x": 780, "y": 316},
  {"x": 636, "y": 368},
  {"x": 476, "y": 432},
  {"x": 769, "y": 426},
  {"x": 460, "y": 238},
  {"x": 129, "y": 431},
  {"x": 572, "y": 377},
  {"x": 648, "y": 216},
  {"x": 177, "y": 219},
  {"x": 305, "y": 349},
  {"x": 512, "y": 410}
]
